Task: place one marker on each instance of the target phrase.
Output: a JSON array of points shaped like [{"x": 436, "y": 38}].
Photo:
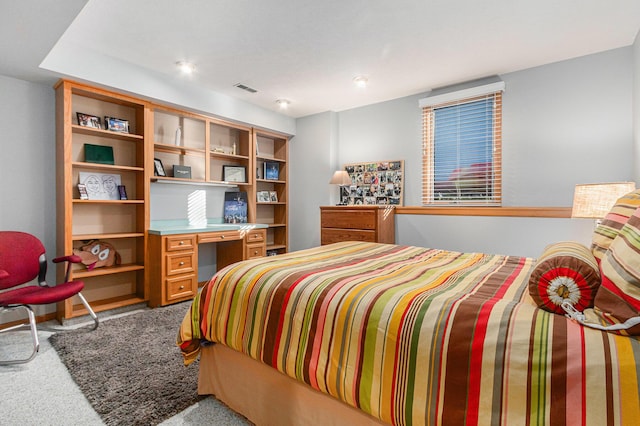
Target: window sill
[{"x": 550, "y": 212}]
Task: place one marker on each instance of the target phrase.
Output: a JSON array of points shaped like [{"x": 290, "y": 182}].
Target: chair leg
[
  {"x": 34, "y": 336},
  {"x": 91, "y": 313}
]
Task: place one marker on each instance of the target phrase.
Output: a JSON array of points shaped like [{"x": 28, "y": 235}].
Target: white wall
[
  {"x": 636, "y": 107},
  {"x": 312, "y": 162},
  {"x": 563, "y": 123},
  {"x": 27, "y": 174}
]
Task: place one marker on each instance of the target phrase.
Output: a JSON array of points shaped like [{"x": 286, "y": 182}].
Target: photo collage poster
[{"x": 374, "y": 183}]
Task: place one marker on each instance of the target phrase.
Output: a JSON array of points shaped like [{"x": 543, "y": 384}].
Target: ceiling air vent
[{"x": 245, "y": 87}]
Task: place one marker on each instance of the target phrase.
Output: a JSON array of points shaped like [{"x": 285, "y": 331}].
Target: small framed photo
[
  {"x": 263, "y": 196},
  {"x": 158, "y": 168},
  {"x": 116, "y": 124},
  {"x": 183, "y": 172},
  {"x": 234, "y": 174},
  {"x": 82, "y": 189},
  {"x": 123, "y": 192},
  {"x": 88, "y": 120},
  {"x": 271, "y": 170},
  {"x": 273, "y": 196}
]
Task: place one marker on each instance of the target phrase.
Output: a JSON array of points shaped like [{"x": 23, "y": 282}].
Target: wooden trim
[{"x": 549, "y": 212}]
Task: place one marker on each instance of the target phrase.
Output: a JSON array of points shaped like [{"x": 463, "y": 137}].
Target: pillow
[
  {"x": 566, "y": 271},
  {"x": 618, "y": 298},
  {"x": 610, "y": 226}
]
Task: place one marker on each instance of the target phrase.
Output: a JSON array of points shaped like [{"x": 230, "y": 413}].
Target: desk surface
[{"x": 172, "y": 227}]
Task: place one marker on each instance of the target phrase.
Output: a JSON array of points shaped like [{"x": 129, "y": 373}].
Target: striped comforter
[{"x": 418, "y": 336}]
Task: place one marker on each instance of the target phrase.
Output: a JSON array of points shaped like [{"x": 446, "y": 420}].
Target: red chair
[{"x": 22, "y": 259}]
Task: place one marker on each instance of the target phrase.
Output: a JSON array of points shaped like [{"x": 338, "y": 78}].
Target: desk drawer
[
  {"x": 255, "y": 250},
  {"x": 180, "y": 263},
  {"x": 181, "y": 287},
  {"x": 180, "y": 242},
  {"x": 257, "y": 236},
  {"x": 216, "y": 237}
]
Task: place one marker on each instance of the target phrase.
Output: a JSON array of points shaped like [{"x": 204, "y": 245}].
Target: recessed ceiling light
[
  {"x": 283, "y": 103},
  {"x": 361, "y": 81},
  {"x": 186, "y": 67}
]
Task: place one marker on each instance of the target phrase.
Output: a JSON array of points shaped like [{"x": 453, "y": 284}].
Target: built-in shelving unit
[
  {"x": 120, "y": 222},
  {"x": 207, "y": 146},
  {"x": 272, "y": 148}
]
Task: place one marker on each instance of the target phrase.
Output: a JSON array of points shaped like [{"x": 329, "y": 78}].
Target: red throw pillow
[{"x": 565, "y": 272}]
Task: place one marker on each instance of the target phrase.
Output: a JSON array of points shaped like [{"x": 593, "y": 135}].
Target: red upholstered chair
[{"x": 22, "y": 259}]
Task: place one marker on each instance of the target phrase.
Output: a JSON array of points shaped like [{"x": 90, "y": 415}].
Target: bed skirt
[{"x": 267, "y": 397}]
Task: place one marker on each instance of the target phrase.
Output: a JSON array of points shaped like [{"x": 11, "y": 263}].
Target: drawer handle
[
  {"x": 255, "y": 252},
  {"x": 181, "y": 287},
  {"x": 222, "y": 237},
  {"x": 181, "y": 243},
  {"x": 181, "y": 263}
]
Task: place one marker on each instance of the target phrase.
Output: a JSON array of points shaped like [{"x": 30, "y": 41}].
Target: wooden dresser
[{"x": 357, "y": 223}]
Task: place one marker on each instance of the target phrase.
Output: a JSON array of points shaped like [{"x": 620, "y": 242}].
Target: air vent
[{"x": 244, "y": 87}]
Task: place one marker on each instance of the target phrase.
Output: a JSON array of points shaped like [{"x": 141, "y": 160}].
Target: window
[{"x": 462, "y": 133}]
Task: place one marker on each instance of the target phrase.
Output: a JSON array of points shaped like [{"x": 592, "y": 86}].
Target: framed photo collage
[{"x": 374, "y": 183}]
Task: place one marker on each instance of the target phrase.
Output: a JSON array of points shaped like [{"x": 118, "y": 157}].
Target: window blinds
[{"x": 462, "y": 151}]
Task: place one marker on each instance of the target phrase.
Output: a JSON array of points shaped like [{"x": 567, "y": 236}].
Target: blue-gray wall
[{"x": 563, "y": 124}]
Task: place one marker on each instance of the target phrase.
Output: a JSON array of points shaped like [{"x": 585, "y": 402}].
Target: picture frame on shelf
[
  {"x": 100, "y": 154},
  {"x": 235, "y": 207},
  {"x": 116, "y": 124},
  {"x": 182, "y": 172},
  {"x": 158, "y": 168},
  {"x": 88, "y": 120},
  {"x": 82, "y": 189},
  {"x": 232, "y": 173},
  {"x": 101, "y": 186},
  {"x": 122, "y": 191},
  {"x": 271, "y": 170},
  {"x": 273, "y": 196},
  {"x": 263, "y": 196}
]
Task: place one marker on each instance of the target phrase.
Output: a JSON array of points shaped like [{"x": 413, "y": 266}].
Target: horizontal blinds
[{"x": 462, "y": 151}]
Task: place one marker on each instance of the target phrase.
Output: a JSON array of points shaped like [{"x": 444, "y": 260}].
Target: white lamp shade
[
  {"x": 595, "y": 200},
  {"x": 340, "y": 177}
]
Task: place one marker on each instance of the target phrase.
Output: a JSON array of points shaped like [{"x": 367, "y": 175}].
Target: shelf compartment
[
  {"x": 191, "y": 158},
  {"x": 85, "y": 237},
  {"x": 226, "y": 137},
  {"x": 107, "y": 270},
  {"x": 107, "y": 304},
  {"x": 106, "y": 167},
  {"x": 92, "y": 131},
  {"x": 192, "y": 134}
]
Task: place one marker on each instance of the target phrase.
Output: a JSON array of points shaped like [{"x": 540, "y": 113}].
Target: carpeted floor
[{"x": 130, "y": 369}]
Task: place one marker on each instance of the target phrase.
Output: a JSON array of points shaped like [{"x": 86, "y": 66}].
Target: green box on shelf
[{"x": 98, "y": 154}]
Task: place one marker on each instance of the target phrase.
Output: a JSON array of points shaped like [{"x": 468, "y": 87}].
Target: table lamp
[
  {"x": 595, "y": 200},
  {"x": 340, "y": 178}
]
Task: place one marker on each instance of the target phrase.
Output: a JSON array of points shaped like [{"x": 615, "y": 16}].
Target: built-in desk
[{"x": 173, "y": 255}]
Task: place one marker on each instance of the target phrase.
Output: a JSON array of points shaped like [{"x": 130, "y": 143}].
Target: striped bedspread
[{"x": 418, "y": 336}]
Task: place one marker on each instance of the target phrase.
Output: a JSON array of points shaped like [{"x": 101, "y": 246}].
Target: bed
[{"x": 367, "y": 333}]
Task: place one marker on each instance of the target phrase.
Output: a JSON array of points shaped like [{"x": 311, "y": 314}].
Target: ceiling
[{"x": 310, "y": 51}]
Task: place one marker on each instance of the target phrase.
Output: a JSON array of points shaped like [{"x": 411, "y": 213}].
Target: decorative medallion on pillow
[
  {"x": 565, "y": 272},
  {"x": 610, "y": 226},
  {"x": 617, "y": 302}
]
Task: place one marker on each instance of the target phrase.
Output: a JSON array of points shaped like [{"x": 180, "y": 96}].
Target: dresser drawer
[
  {"x": 330, "y": 235},
  {"x": 180, "y": 263},
  {"x": 181, "y": 287},
  {"x": 255, "y": 250},
  {"x": 256, "y": 236},
  {"x": 180, "y": 242},
  {"x": 350, "y": 219}
]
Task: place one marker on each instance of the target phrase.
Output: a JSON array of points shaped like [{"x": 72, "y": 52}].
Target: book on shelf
[
  {"x": 235, "y": 207},
  {"x": 271, "y": 170}
]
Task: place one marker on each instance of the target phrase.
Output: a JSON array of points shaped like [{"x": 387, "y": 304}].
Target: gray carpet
[{"x": 130, "y": 369}]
